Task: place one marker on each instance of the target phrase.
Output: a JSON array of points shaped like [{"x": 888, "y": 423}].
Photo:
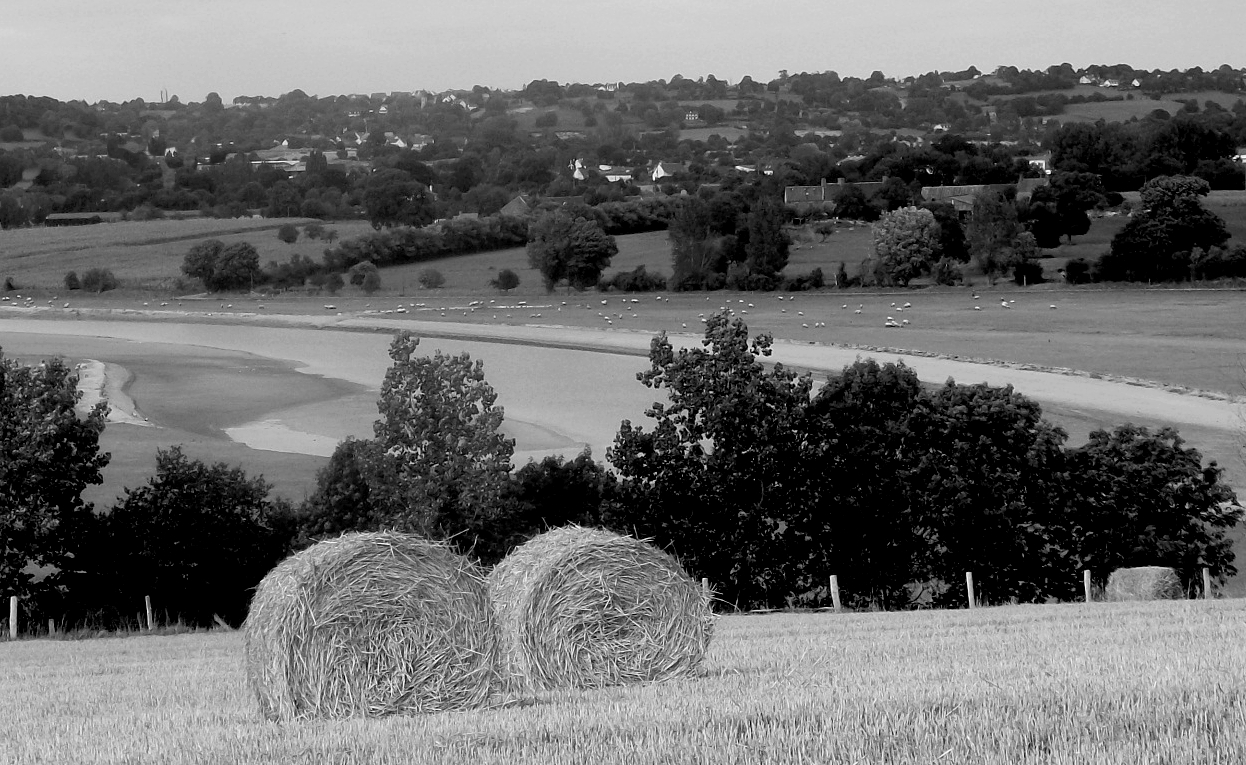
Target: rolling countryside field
[
  {"x": 1104, "y": 683},
  {"x": 144, "y": 255}
]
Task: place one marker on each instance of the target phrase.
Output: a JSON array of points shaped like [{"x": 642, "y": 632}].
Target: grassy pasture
[
  {"x": 142, "y": 254},
  {"x": 1104, "y": 683},
  {"x": 731, "y": 134}
]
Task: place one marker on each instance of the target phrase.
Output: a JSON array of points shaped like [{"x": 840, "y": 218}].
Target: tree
[
  {"x": 766, "y": 252},
  {"x": 906, "y": 243},
  {"x": 720, "y": 479},
  {"x": 555, "y": 492},
  {"x": 341, "y": 501},
  {"x": 992, "y": 230},
  {"x": 982, "y": 484},
  {"x": 197, "y": 538},
  {"x": 237, "y": 267},
  {"x": 1142, "y": 498},
  {"x": 696, "y": 252},
  {"x": 200, "y": 261},
  {"x": 859, "y": 425},
  {"x": 851, "y": 204},
  {"x": 288, "y": 233},
  {"x": 393, "y": 198},
  {"x": 431, "y": 278},
  {"x": 98, "y": 280},
  {"x": 437, "y": 466},
  {"x": 71, "y": 281},
  {"x": 1155, "y": 245},
  {"x": 505, "y": 281},
  {"x": 565, "y": 247},
  {"x": 48, "y": 456},
  {"x": 333, "y": 282},
  {"x": 366, "y": 276}
]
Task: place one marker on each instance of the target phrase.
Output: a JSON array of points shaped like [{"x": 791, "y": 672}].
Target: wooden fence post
[
  {"x": 1206, "y": 583},
  {"x": 835, "y": 593},
  {"x": 51, "y": 627},
  {"x": 1086, "y": 583},
  {"x": 969, "y": 588},
  {"x": 13, "y": 617},
  {"x": 147, "y": 600}
]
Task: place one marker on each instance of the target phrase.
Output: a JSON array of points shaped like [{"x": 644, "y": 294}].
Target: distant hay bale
[
  {"x": 1143, "y": 583},
  {"x": 587, "y": 608},
  {"x": 368, "y": 625}
]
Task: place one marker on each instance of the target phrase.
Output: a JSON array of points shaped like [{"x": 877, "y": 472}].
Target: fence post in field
[
  {"x": 1206, "y": 583},
  {"x": 835, "y": 593},
  {"x": 147, "y": 600},
  {"x": 51, "y": 627},
  {"x": 13, "y": 617},
  {"x": 1086, "y": 583},
  {"x": 969, "y": 588}
]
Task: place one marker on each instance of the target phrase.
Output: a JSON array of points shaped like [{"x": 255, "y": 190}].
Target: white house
[
  {"x": 615, "y": 174},
  {"x": 666, "y": 170}
]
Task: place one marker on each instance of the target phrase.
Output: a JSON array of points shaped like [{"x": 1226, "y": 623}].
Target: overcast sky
[{"x": 123, "y": 49}]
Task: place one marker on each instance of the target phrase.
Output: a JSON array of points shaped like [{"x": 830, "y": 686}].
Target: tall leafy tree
[
  {"x": 719, "y": 478},
  {"x": 906, "y": 243},
  {"x": 859, "y": 423},
  {"x": 1143, "y": 498},
  {"x": 1156, "y": 243},
  {"x": 564, "y": 247},
  {"x": 992, "y": 231},
  {"x": 982, "y": 478},
  {"x": 48, "y": 456},
  {"x": 766, "y": 251},
  {"x": 438, "y": 465},
  {"x": 197, "y": 538},
  {"x": 392, "y": 197}
]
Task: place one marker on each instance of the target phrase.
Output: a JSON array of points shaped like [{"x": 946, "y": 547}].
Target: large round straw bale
[
  {"x": 1143, "y": 583},
  {"x": 584, "y": 607},
  {"x": 369, "y": 625}
]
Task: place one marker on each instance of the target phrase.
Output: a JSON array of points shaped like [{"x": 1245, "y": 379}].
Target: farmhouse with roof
[{"x": 666, "y": 170}]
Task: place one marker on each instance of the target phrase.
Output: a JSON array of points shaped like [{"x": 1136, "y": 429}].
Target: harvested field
[{"x": 1021, "y": 685}]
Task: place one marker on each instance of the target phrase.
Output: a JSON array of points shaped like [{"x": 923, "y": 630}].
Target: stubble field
[{"x": 1100, "y": 683}]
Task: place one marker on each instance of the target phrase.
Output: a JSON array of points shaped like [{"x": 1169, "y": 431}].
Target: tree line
[{"x": 754, "y": 479}]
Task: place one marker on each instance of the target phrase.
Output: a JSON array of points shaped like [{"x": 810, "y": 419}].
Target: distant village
[{"x": 482, "y": 151}]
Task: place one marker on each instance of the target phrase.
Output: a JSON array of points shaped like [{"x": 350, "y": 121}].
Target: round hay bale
[
  {"x": 370, "y": 625},
  {"x": 587, "y": 608},
  {"x": 1144, "y": 583}
]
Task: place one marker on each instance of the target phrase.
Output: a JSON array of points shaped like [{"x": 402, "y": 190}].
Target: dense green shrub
[
  {"x": 1077, "y": 271},
  {"x": 288, "y": 233},
  {"x": 431, "y": 279},
  {"x": 506, "y": 280},
  {"x": 1027, "y": 272},
  {"x": 814, "y": 280},
  {"x": 636, "y": 280},
  {"x": 72, "y": 282},
  {"x": 98, "y": 280}
]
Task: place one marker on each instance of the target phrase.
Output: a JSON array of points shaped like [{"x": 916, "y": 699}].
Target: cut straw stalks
[
  {"x": 1143, "y": 583},
  {"x": 586, "y": 608},
  {"x": 368, "y": 625}
]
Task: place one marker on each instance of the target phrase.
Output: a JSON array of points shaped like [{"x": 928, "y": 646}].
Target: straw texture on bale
[
  {"x": 586, "y": 608},
  {"x": 1143, "y": 583},
  {"x": 368, "y": 625}
]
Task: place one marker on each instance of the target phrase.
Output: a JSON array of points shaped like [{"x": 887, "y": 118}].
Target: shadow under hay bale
[
  {"x": 1143, "y": 583},
  {"x": 371, "y": 625},
  {"x": 586, "y": 608}
]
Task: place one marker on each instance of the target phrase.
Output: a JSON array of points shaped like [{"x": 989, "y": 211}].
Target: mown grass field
[
  {"x": 145, "y": 255},
  {"x": 1100, "y": 683}
]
